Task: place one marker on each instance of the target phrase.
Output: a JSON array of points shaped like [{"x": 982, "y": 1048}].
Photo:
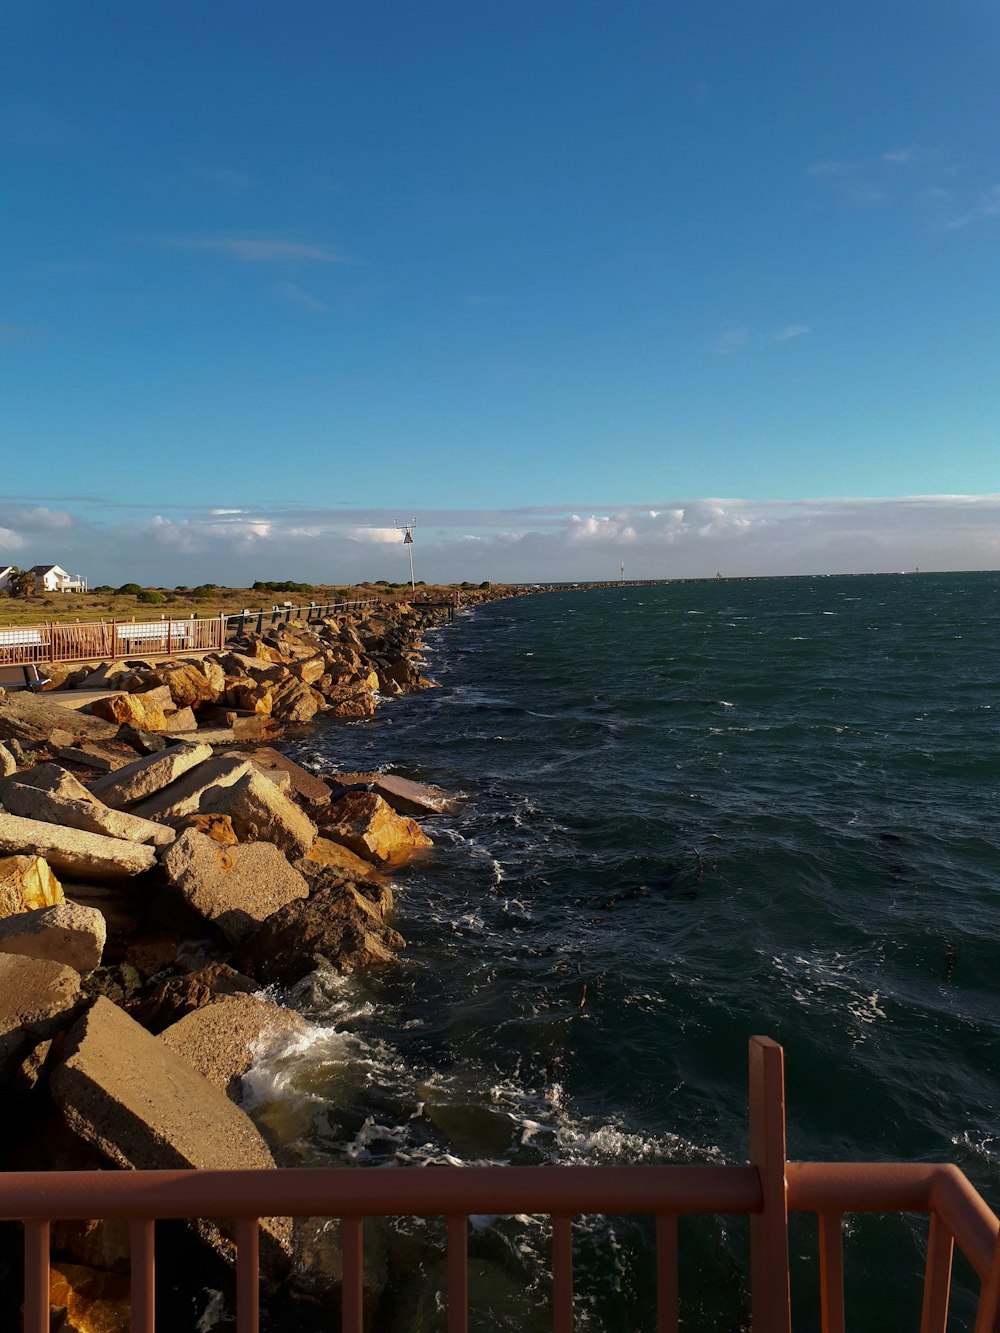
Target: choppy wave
[{"x": 633, "y": 886}]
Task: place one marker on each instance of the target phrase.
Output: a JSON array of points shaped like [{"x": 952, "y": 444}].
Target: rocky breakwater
[{"x": 150, "y": 885}]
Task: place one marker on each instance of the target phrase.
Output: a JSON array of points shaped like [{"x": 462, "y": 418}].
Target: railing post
[
  {"x": 143, "y": 1264},
  {"x": 831, "y": 1272},
  {"x": 937, "y": 1277},
  {"x": 770, "y": 1300},
  {"x": 988, "y": 1310},
  {"x": 36, "y": 1277}
]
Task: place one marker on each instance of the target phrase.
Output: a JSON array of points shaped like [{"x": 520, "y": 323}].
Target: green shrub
[
  {"x": 486, "y": 584},
  {"x": 131, "y": 589},
  {"x": 149, "y": 596}
]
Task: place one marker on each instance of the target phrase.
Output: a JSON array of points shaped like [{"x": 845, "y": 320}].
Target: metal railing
[
  {"x": 73, "y": 641},
  {"x": 766, "y": 1190},
  {"x": 285, "y": 611}
]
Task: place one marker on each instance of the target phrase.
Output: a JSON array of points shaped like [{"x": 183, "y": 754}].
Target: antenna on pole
[{"x": 408, "y": 543}]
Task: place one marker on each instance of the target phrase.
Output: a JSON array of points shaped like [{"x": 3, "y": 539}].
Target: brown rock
[
  {"x": 335, "y": 856},
  {"x": 68, "y": 933},
  {"x": 411, "y": 798},
  {"x": 335, "y": 924},
  {"x": 85, "y": 1300},
  {"x": 294, "y": 702},
  {"x": 181, "y": 723},
  {"x": 124, "y": 1091},
  {"x": 217, "y": 827},
  {"x": 134, "y": 710},
  {"x": 236, "y": 888},
  {"x": 143, "y": 778},
  {"x": 258, "y": 810},
  {"x": 49, "y": 793},
  {"x": 190, "y": 684},
  {"x": 368, "y": 825},
  {"x": 35, "y": 719},
  {"x": 177, "y": 996},
  {"x": 223, "y": 1039},
  {"x": 26, "y": 884},
  {"x": 73, "y": 852},
  {"x": 185, "y": 796},
  {"x": 312, "y": 790},
  {"x": 38, "y": 998}
]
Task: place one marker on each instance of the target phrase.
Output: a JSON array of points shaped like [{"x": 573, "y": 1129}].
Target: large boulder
[
  {"x": 144, "y": 777},
  {"x": 189, "y": 683},
  {"x": 336, "y": 923},
  {"x": 185, "y": 796},
  {"x": 67, "y": 933},
  {"x": 143, "y": 711},
  {"x": 38, "y": 998},
  {"x": 411, "y": 798},
  {"x": 222, "y": 1039},
  {"x": 236, "y": 888},
  {"x": 75, "y": 853},
  {"x": 258, "y": 810},
  {"x": 145, "y": 1108},
  {"x": 27, "y": 883},
  {"x": 325, "y": 854},
  {"x": 293, "y": 701},
  {"x": 369, "y": 826},
  {"x": 35, "y": 719},
  {"x": 50, "y": 793}
]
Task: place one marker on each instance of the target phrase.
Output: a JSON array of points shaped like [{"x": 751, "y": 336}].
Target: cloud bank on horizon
[{"x": 238, "y": 544}]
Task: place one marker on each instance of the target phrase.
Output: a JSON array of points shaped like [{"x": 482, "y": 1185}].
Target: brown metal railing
[
  {"x": 61, "y": 641},
  {"x": 766, "y": 1190}
]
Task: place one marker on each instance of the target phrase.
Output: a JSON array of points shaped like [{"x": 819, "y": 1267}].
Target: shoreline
[{"x": 160, "y": 864}]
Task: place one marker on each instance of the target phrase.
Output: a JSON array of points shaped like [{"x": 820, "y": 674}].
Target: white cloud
[
  {"x": 733, "y": 339},
  {"x": 657, "y": 538},
  {"x": 377, "y": 536},
  {"x": 256, "y": 249},
  {"x": 292, "y": 294},
  {"x": 791, "y": 331},
  {"x": 988, "y": 206}
]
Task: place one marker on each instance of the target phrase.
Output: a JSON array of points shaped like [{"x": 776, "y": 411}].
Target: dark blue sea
[{"x": 690, "y": 812}]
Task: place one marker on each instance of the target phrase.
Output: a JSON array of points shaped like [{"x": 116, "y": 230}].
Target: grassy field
[{"x": 180, "y": 603}]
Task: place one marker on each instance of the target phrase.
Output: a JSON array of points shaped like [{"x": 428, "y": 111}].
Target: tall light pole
[{"x": 408, "y": 543}]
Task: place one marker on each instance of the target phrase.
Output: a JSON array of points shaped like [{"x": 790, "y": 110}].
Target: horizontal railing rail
[{"x": 765, "y": 1190}]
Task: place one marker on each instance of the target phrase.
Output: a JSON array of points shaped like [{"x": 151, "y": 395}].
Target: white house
[{"x": 52, "y": 578}]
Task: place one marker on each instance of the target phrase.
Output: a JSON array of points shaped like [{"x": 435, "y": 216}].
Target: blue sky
[{"x": 543, "y": 275}]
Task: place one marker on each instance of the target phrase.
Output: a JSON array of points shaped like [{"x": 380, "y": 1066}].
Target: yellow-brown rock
[
  {"x": 335, "y": 856},
  {"x": 369, "y": 827},
  {"x": 188, "y": 685},
  {"x": 136, "y": 710},
  {"x": 250, "y": 697},
  {"x": 26, "y": 884},
  {"x": 94, "y": 1302},
  {"x": 310, "y": 670},
  {"x": 218, "y": 827}
]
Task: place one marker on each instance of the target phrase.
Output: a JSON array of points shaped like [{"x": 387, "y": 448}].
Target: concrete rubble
[{"x": 67, "y": 933}]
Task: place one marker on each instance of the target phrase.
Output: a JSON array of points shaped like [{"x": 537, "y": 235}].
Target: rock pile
[{"x": 144, "y": 821}]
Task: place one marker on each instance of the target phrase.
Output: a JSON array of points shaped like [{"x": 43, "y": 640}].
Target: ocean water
[{"x": 691, "y": 812}]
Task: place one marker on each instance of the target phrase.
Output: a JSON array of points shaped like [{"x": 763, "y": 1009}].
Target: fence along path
[{"x": 27, "y": 645}]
